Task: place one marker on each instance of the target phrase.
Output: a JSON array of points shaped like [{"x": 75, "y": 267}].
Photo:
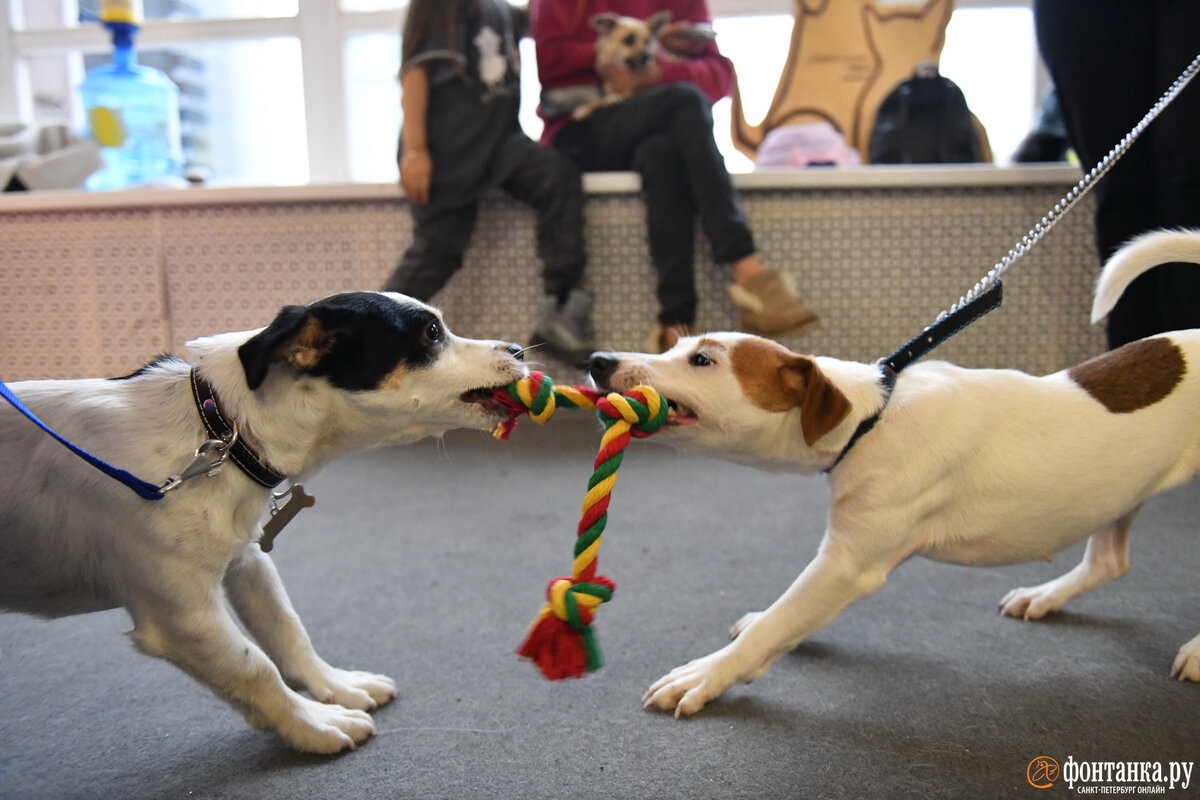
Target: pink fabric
[{"x": 816, "y": 143}]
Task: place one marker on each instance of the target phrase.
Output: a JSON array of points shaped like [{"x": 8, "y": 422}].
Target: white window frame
[{"x": 321, "y": 27}]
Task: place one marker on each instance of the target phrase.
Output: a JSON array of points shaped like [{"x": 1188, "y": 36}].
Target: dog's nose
[
  {"x": 601, "y": 366},
  {"x": 516, "y": 351}
]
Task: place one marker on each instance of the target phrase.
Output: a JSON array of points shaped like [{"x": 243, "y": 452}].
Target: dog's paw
[
  {"x": 1187, "y": 663},
  {"x": 1032, "y": 602},
  {"x": 318, "y": 728},
  {"x": 689, "y": 688},
  {"x": 359, "y": 690},
  {"x": 743, "y": 623}
]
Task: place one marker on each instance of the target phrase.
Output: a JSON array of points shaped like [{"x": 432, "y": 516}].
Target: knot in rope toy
[{"x": 561, "y": 641}]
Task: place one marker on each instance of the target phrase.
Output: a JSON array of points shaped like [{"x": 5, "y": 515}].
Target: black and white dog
[{"x": 352, "y": 371}]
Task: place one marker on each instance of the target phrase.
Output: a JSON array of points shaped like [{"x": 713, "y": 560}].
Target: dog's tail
[{"x": 1140, "y": 255}]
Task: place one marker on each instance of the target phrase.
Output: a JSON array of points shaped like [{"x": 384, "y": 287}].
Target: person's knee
[{"x": 688, "y": 103}]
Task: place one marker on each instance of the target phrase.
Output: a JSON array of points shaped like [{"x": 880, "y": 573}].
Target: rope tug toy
[{"x": 561, "y": 641}]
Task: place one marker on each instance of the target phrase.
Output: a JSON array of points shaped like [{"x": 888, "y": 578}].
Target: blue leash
[{"x": 147, "y": 491}]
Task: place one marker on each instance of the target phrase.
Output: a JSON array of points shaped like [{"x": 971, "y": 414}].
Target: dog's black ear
[
  {"x": 658, "y": 21},
  {"x": 294, "y": 336},
  {"x": 604, "y": 23},
  {"x": 822, "y": 405}
]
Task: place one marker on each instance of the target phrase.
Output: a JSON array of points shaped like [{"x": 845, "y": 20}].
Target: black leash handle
[{"x": 923, "y": 343}]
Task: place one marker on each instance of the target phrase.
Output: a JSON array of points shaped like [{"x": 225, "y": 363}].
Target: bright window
[
  {"x": 371, "y": 5},
  {"x": 291, "y": 91},
  {"x": 53, "y": 13},
  {"x": 992, "y": 55},
  {"x": 373, "y": 96},
  {"x": 248, "y": 120},
  {"x": 758, "y": 47}
]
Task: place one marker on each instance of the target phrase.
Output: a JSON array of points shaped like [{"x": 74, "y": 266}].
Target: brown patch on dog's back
[{"x": 1134, "y": 376}]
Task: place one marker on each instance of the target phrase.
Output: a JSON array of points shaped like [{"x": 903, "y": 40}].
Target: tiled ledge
[
  {"x": 871, "y": 177},
  {"x": 97, "y": 283}
]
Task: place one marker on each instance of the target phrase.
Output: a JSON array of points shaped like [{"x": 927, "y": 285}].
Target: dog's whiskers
[
  {"x": 525, "y": 350},
  {"x": 442, "y": 449}
]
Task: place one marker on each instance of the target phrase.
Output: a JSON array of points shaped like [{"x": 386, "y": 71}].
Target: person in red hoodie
[{"x": 663, "y": 131}]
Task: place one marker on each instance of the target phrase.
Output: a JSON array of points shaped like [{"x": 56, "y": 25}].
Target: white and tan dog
[
  {"x": 968, "y": 466},
  {"x": 352, "y": 371}
]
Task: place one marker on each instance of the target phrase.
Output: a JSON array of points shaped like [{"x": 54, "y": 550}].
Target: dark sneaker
[{"x": 565, "y": 331}]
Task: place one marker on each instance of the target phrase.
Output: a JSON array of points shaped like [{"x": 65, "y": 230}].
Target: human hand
[
  {"x": 685, "y": 39},
  {"x": 416, "y": 174}
]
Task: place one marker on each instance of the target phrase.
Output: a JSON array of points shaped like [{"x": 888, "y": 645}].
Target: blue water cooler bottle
[{"x": 131, "y": 111}]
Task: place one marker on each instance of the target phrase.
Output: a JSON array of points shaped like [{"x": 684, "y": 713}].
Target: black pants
[
  {"x": 532, "y": 174},
  {"x": 665, "y": 134},
  {"x": 1110, "y": 61}
]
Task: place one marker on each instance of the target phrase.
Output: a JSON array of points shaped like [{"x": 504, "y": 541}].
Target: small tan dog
[
  {"x": 624, "y": 43},
  {"x": 968, "y": 466}
]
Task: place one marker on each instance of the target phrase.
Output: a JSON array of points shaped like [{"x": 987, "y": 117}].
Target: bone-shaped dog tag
[{"x": 281, "y": 515}]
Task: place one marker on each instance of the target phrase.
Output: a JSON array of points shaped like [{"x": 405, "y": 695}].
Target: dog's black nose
[
  {"x": 516, "y": 351},
  {"x": 601, "y": 366}
]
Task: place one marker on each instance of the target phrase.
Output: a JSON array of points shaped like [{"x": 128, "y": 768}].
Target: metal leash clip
[{"x": 207, "y": 460}]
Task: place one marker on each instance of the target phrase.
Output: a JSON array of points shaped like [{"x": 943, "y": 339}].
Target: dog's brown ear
[
  {"x": 776, "y": 379},
  {"x": 822, "y": 405},
  {"x": 604, "y": 23},
  {"x": 658, "y": 21},
  {"x": 295, "y": 336}
]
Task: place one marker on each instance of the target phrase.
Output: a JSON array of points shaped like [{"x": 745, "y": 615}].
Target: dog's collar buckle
[
  {"x": 207, "y": 460},
  {"x": 225, "y": 432}
]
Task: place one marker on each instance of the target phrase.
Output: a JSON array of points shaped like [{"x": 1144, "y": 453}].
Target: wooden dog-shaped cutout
[{"x": 844, "y": 57}]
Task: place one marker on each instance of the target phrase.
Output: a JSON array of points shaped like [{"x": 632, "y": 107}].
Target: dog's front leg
[
  {"x": 258, "y": 596},
  {"x": 191, "y": 627},
  {"x": 838, "y": 576}
]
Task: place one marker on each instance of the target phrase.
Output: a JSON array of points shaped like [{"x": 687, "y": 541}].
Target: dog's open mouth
[
  {"x": 638, "y": 61},
  {"x": 679, "y": 414},
  {"x": 490, "y": 399}
]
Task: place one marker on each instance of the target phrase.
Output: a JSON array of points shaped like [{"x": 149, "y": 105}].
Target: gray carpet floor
[{"x": 426, "y": 563}]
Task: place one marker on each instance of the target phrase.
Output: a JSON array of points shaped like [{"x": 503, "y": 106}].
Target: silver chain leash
[{"x": 1072, "y": 197}]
